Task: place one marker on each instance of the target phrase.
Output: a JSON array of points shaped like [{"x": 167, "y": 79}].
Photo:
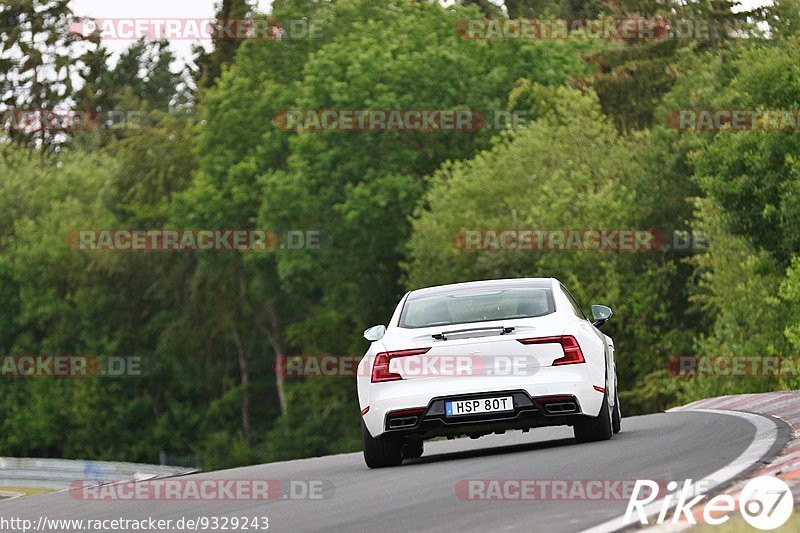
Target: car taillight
[
  {"x": 570, "y": 346},
  {"x": 380, "y": 368}
]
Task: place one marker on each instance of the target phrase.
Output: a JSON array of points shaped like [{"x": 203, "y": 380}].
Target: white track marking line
[{"x": 764, "y": 440}]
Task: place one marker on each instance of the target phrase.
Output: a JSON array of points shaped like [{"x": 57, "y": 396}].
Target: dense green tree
[
  {"x": 632, "y": 77},
  {"x": 36, "y": 68},
  {"x": 346, "y": 182},
  {"x": 569, "y": 170},
  {"x": 209, "y": 64},
  {"x": 570, "y": 9},
  {"x": 748, "y": 180}
]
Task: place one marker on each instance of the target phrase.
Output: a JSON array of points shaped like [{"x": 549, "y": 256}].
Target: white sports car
[{"x": 470, "y": 359}]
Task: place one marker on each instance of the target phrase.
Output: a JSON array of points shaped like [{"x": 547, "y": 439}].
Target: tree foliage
[{"x": 595, "y": 151}]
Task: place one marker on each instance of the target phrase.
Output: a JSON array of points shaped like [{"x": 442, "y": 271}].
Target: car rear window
[{"x": 476, "y": 305}]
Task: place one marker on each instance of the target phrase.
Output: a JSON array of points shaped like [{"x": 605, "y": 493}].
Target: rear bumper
[
  {"x": 528, "y": 413},
  {"x": 416, "y": 408}
]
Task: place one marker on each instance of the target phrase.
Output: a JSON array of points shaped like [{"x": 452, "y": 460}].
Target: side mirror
[
  {"x": 600, "y": 313},
  {"x": 375, "y": 333}
]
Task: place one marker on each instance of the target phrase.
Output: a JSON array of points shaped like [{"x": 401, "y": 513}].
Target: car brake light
[
  {"x": 380, "y": 368},
  {"x": 570, "y": 346}
]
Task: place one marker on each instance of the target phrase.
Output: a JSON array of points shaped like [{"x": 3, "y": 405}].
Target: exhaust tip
[
  {"x": 560, "y": 408},
  {"x": 403, "y": 422}
]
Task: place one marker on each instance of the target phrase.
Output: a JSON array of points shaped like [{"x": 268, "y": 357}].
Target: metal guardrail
[{"x": 57, "y": 474}]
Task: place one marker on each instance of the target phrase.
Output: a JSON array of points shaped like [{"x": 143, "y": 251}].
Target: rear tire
[
  {"x": 386, "y": 450},
  {"x": 597, "y": 428},
  {"x": 616, "y": 416}
]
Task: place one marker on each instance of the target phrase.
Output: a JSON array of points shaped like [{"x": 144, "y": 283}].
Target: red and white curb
[{"x": 757, "y": 409}]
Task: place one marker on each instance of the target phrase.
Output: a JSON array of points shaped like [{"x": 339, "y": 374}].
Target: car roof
[{"x": 536, "y": 283}]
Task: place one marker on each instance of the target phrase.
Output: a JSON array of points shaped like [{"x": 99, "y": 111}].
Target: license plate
[{"x": 476, "y": 407}]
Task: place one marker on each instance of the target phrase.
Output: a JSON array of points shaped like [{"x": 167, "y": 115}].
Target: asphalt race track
[{"x": 421, "y": 494}]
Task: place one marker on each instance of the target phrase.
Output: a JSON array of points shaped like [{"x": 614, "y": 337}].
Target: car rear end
[{"x": 440, "y": 372}]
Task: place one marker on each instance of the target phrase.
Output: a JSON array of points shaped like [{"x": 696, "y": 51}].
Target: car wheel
[
  {"x": 616, "y": 416},
  {"x": 386, "y": 450},
  {"x": 597, "y": 428},
  {"x": 412, "y": 449}
]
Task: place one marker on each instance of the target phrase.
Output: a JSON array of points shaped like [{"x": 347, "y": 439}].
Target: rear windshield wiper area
[{"x": 472, "y": 332}]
